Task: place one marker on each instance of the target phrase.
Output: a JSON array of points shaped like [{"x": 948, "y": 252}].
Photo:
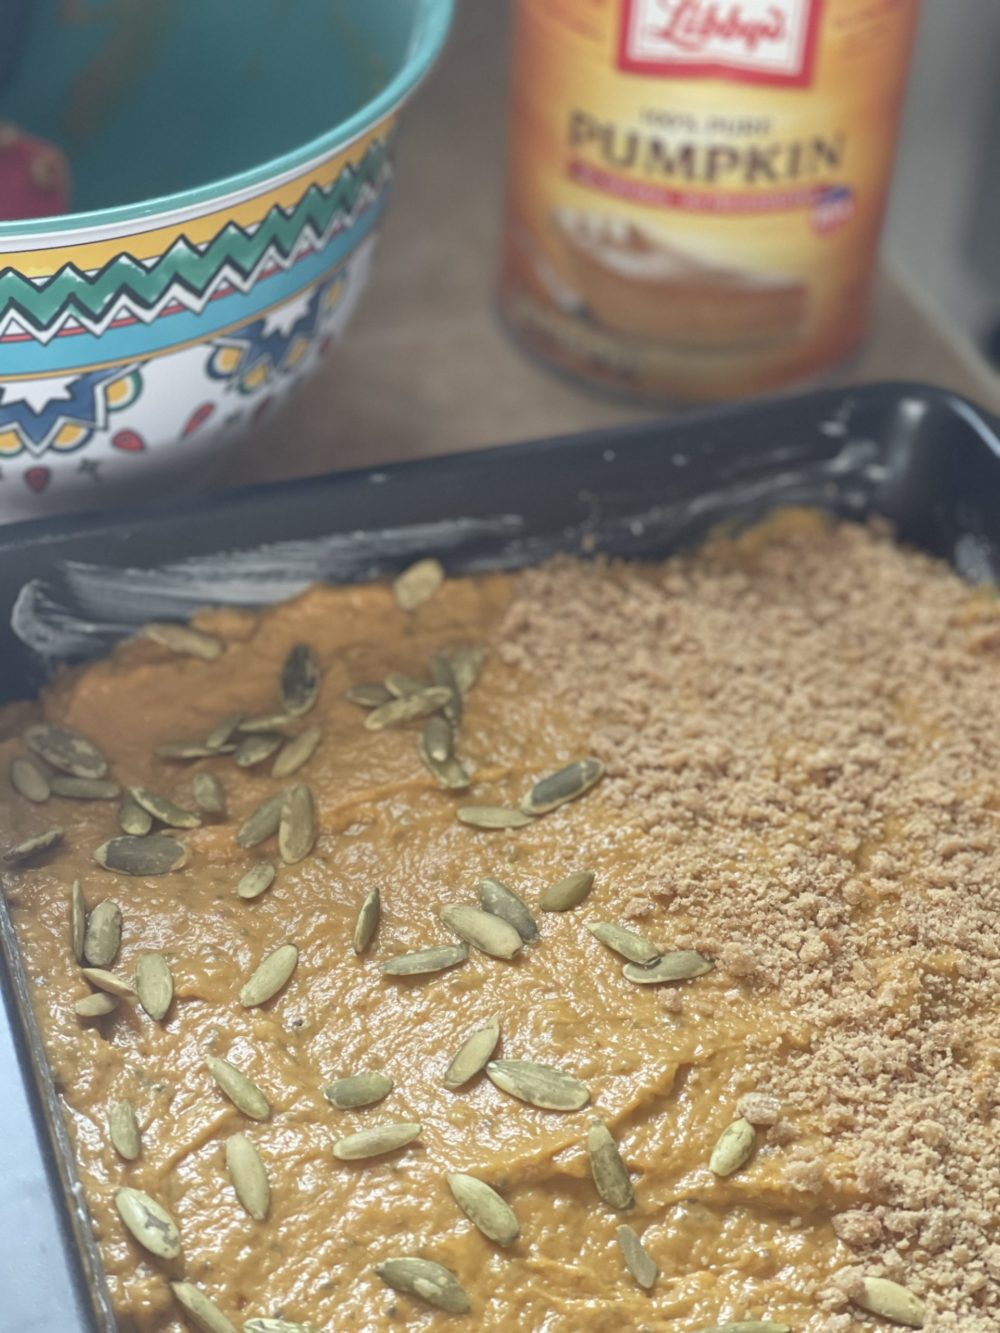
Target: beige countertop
[{"x": 426, "y": 368}]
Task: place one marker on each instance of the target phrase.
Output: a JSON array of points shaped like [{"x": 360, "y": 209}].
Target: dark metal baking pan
[{"x": 70, "y": 587}]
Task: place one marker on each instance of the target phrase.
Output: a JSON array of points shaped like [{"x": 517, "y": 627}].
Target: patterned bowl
[{"x": 231, "y": 164}]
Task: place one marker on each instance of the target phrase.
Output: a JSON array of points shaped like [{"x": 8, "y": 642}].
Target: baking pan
[{"x": 70, "y": 587}]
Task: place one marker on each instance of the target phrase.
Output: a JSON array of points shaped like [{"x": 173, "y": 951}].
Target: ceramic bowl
[{"x": 230, "y": 166}]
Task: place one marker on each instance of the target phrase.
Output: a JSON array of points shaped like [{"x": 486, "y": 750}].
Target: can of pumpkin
[{"x": 695, "y": 188}]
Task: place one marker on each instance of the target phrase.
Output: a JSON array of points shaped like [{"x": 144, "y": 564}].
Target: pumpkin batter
[{"x": 801, "y": 731}]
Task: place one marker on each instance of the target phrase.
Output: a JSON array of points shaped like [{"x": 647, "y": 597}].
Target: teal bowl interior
[{"x": 154, "y": 98}]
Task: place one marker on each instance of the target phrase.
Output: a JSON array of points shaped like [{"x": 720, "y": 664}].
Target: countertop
[{"x": 426, "y": 368}]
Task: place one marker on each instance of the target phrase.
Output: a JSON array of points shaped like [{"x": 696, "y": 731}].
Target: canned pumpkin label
[{"x": 696, "y": 187}]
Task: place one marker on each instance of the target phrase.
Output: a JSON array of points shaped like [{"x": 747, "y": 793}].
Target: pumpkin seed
[
  {"x": 123, "y": 1129},
  {"x": 408, "y": 709},
  {"x": 733, "y": 1148},
  {"x": 209, "y": 794},
  {"x": 132, "y": 818},
  {"x": 108, "y": 982},
  {"x": 205, "y": 1313},
  {"x": 748, "y": 1326},
  {"x": 368, "y": 694},
  {"x": 276, "y": 1326},
  {"x": 364, "y": 1089},
  {"x": 442, "y": 674},
  {"x": 629, "y": 943},
  {"x": 565, "y": 785},
  {"x": 30, "y": 847},
  {"x": 223, "y": 730},
  {"x": 484, "y": 1207},
  {"x": 567, "y": 893},
  {"x": 451, "y": 773},
  {"x": 485, "y": 932},
  {"x": 504, "y": 903},
  {"x": 162, "y": 808},
  {"x": 417, "y": 584},
  {"x": 297, "y": 828},
  {"x": 256, "y": 880},
  {"x": 270, "y": 976},
  {"x": 150, "y": 1224},
  {"x": 156, "y": 855},
  {"x": 103, "y": 936},
  {"x": 638, "y": 1260},
  {"x": 249, "y": 1176},
  {"x": 677, "y": 965},
  {"x": 66, "y": 750},
  {"x": 256, "y": 747},
  {"x": 472, "y": 1055},
  {"x": 878, "y": 1295},
  {"x": 29, "y": 781},
  {"x": 432, "y": 1282},
  {"x": 493, "y": 816},
  {"x": 539, "y": 1085},
  {"x": 375, "y": 1142},
  {"x": 607, "y": 1167},
  {"x": 296, "y": 752},
  {"x": 366, "y": 922},
  {"x": 401, "y": 686},
  {"x": 243, "y": 1094},
  {"x": 439, "y": 739},
  {"x": 466, "y": 664},
  {"x": 77, "y": 920},
  {"x": 265, "y": 722},
  {"x": 183, "y": 639},
  {"x": 154, "y": 985},
  {"x": 299, "y": 684},
  {"x": 190, "y": 750},
  {"x": 96, "y": 1005},
  {"x": 262, "y": 823},
  {"x": 421, "y": 961},
  {"x": 85, "y": 789}
]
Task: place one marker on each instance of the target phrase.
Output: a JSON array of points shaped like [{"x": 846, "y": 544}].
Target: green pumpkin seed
[
  {"x": 401, "y": 686},
  {"x": 565, "y": 785},
  {"x": 150, "y": 1224},
  {"x": 156, "y": 855},
  {"x": 209, "y": 794},
  {"x": 442, "y": 674},
  {"x": 183, "y": 639},
  {"x": 77, "y": 921},
  {"x": 638, "y": 1260},
  {"x": 368, "y": 694},
  {"x": 567, "y": 893},
  {"x": 439, "y": 739},
  {"x": 493, "y": 816},
  {"x": 473, "y": 1054},
  {"x": 132, "y": 818},
  {"x": 375, "y": 1142},
  {"x": 123, "y": 1130},
  {"x": 451, "y": 773},
  {"x": 878, "y": 1295},
  {"x": 108, "y": 982},
  {"x": 432, "y": 1282},
  {"x": 466, "y": 664},
  {"x": 222, "y": 733},
  {"x": 264, "y": 722},
  {"x": 154, "y": 985},
  {"x": 243, "y": 1094},
  {"x": 277, "y": 1326},
  {"x": 66, "y": 750},
  {"x": 162, "y": 808},
  {"x": 733, "y": 1148},
  {"x": 86, "y": 789},
  {"x": 607, "y": 1167},
  {"x": 297, "y": 828},
  {"x": 29, "y": 781},
  {"x": 262, "y": 823},
  {"x": 366, "y": 922},
  {"x": 503, "y": 902},
  {"x": 408, "y": 709},
  {"x": 485, "y": 932},
  {"x": 629, "y": 943},
  {"x": 249, "y": 1176},
  {"x": 484, "y": 1207},
  {"x": 205, "y": 1313},
  {"x": 539, "y": 1085},
  {"x": 747, "y": 1326},
  {"x": 677, "y": 965},
  {"x": 364, "y": 1089},
  {"x": 417, "y": 584},
  {"x": 270, "y": 976},
  {"x": 31, "y": 847},
  {"x": 190, "y": 750},
  {"x": 103, "y": 936},
  {"x": 421, "y": 961},
  {"x": 97, "y": 1005},
  {"x": 256, "y": 880},
  {"x": 256, "y": 747},
  {"x": 300, "y": 677},
  {"x": 296, "y": 752}
]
